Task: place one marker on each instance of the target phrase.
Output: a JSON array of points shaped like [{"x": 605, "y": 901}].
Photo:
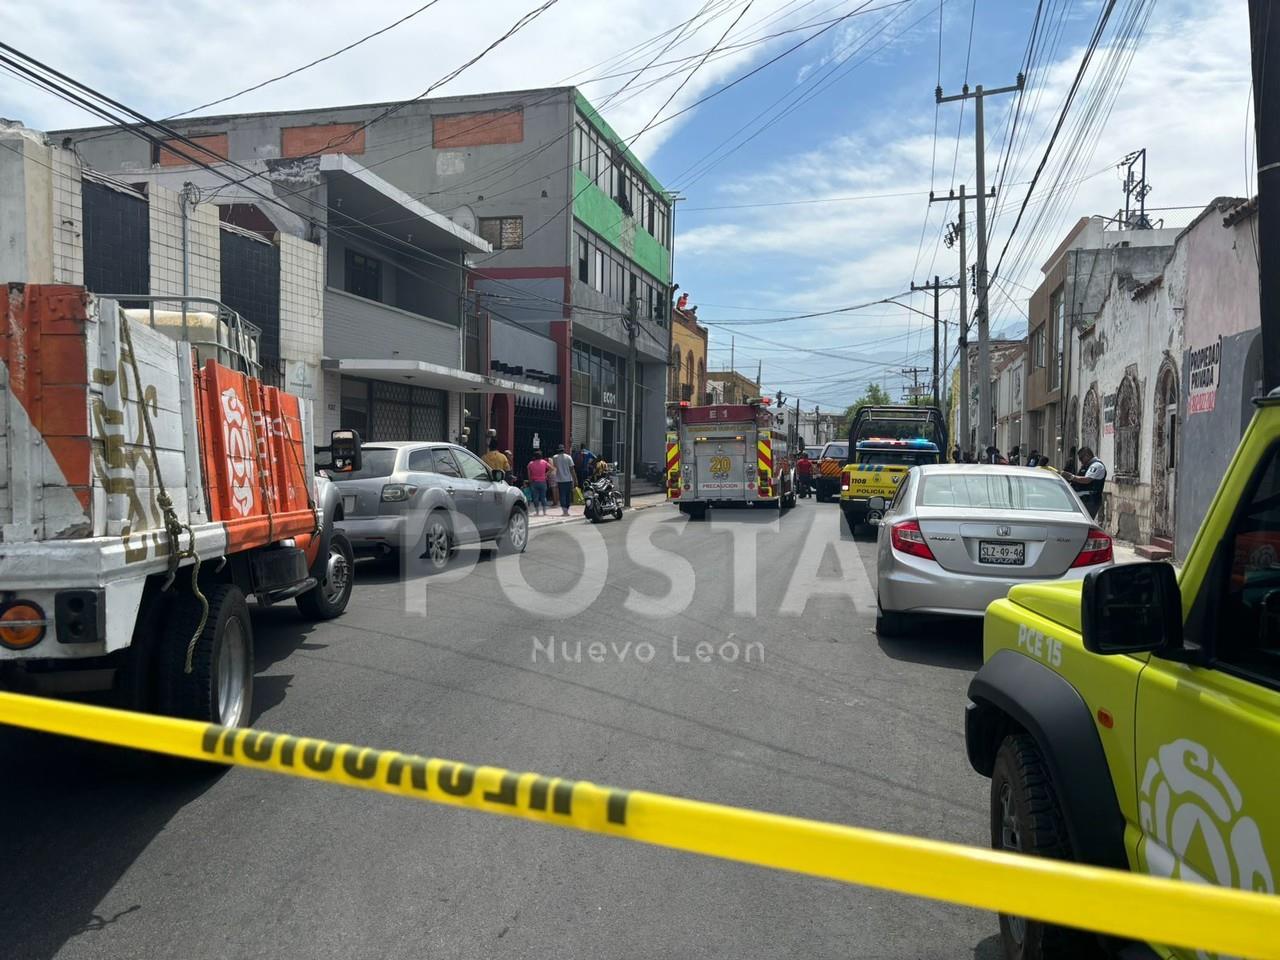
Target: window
[
  {"x": 1037, "y": 348},
  {"x": 503, "y": 233},
  {"x": 473, "y": 468},
  {"x": 996, "y": 492},
  {"x": 1090, "y": 421},
  {"x": 374, "y": 462},
  {"x": 1128, "y": 427},
  {"x": 444, "y": 463},
  {"x": 364, "y": 276},
  {"x": 421, "y": 461},
  {"x": 584, "y": 260},
  {"x": 1248, "y": 634},
  {"x": 598, "y": 280}
]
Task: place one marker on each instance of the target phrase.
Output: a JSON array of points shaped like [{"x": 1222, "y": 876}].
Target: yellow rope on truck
[{"x": 1216, "y": 919}]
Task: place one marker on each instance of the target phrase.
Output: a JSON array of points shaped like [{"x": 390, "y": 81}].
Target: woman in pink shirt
[{"x": 537, "y": 473}]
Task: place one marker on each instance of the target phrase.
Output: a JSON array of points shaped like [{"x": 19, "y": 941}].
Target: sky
[{"x": 802, "y": 136}]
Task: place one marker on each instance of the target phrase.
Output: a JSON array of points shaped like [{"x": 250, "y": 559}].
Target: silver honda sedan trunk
[{"x": 958, "y": 536}]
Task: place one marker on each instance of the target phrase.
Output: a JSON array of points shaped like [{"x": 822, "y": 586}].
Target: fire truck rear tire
[{"x": 219, "y": 688}]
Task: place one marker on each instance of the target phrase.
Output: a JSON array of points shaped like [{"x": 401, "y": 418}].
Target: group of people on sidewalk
[{"x": 551, "y": 479}]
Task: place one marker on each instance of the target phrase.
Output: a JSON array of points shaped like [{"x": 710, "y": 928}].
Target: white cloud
[
  {"x": 1184, "y": 99},
  {"x": 166, "y": 57}
]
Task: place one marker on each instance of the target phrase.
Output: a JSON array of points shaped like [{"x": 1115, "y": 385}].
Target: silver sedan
[
  {"x": 421, "y": 499},
  {"x": 958, "y": 536}
]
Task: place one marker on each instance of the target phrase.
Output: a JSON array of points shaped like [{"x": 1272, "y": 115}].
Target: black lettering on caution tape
[{"x": 363, "y": 763}]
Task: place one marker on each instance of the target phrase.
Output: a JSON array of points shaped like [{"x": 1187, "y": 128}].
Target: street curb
[{"x": 560, "y": 521}]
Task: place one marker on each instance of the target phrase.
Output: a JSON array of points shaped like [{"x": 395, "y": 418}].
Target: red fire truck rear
[
  {"x": 727, "y": 455},
  {"x": 147, "y": 489}
]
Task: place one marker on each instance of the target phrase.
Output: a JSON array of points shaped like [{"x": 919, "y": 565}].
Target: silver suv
[{"x": 422, "y": 499}]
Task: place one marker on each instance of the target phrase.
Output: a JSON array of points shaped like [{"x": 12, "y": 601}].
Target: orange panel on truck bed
[
  {"x": 254, "y": 458},
  {"x": 42, "y": 345}
]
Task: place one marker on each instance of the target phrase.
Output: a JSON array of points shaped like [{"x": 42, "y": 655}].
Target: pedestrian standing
[
  {"x": 537, "y": 472},
  {"x": 495, "y": 459},
  {"x": 1014, "y": 456},
  {"x": 566, "y": 477},
  {"x": 1090, "y": 483},
  {"x": 956, "y": 455}
]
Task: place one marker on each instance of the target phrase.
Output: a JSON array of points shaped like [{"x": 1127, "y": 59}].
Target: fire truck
[
  {"x": 724, "y": 455},
  {"x": 150, "y": 483}
]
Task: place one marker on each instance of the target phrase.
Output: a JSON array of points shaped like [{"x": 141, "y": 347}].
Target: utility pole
[
  {"x": 936, "y": 287},
  {"x": 914, "y": 374},
  {"x": 957, "y": 234},
  {"x": 1264, "y": 30},
  {"x": 978, "y": 95},
  {"x": 632, "y": 322}
]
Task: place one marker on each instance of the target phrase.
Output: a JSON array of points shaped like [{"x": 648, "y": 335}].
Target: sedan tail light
[
  {"x": 1096, "y": 549},
  {"x": 906, "y": 538}
]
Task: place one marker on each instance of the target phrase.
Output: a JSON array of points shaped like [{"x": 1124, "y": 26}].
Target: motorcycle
[{"x": 601, "y": 499}]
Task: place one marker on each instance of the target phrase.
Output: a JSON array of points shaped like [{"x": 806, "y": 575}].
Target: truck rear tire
[
  {"x": 1027, "y": 818},
  {"x": 219, "y": 688},
  {"x": 329, "y": 598}
]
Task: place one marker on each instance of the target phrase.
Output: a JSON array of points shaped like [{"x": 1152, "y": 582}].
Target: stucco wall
[{"x": 1222, "y": 301}]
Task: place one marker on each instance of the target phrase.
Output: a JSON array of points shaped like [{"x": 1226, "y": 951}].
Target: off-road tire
[
  {"x": 196, "y": 695},
  {"x": 321, "y": 602},
  {"x": 1041, "y": 832}
]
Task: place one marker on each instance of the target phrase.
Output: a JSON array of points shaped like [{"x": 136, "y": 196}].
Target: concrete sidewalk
[
  {"x": 1127, "y": 553},
  {"x": 555, "y": 517}
]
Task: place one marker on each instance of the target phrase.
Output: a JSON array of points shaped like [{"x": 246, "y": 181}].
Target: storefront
[
  {"x": 599, "y": 400},
  {"x": 380, "y": 410}
]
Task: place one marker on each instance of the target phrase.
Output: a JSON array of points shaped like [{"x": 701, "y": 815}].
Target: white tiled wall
[
  {"x": 166, "y": 247},
  {"x": 301, "y": 300},
  {"x": 68, "y": 222}
]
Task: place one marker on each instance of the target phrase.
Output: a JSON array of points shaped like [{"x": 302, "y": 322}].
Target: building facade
[
  {"x": 63, "y": 223},
  {"x": 732, "y": 387},
  {"x": 1075, "y": 280},
  {"x": 576, "y": 238},
  {"x": 687, "y": 374}
]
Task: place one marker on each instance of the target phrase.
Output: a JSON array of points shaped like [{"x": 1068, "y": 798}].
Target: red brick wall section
[
  {"x": 322, "y": 138},
  {"x": 478, "y": 129},
  {"x": 215, "y": 142}
]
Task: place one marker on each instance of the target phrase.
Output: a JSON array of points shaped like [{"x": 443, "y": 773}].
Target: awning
[{"x": 420, "y": 373}]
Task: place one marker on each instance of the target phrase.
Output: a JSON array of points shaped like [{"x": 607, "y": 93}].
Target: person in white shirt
[
  {"x": 566, "y": 477},
  {"x": 1090, "y": 483}
]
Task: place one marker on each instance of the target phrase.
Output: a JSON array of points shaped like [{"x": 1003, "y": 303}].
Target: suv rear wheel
[{"x": 1027, "y": 818}]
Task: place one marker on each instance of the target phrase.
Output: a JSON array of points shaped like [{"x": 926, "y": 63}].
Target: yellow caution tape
[{"x": 1217, "y": 919}]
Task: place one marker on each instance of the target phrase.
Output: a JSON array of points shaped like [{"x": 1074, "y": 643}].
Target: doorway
[{"x": 1164, "y": 451}]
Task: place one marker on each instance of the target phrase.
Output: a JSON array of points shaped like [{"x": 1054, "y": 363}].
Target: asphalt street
[{"x": 106, "y": 856}]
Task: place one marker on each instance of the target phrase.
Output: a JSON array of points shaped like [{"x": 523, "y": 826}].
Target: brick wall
[
  {"x": 214, "y": 143},
  {"x": 166, "y": 247},
  {"x": 477, "y": 129},
  {"x": 322, "y": 138}
]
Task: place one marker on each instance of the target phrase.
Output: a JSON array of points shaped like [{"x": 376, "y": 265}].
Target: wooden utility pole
[
  {"x": 1264, "y": 30},
  {"x": 936, "y": 287},
  {"x": 978, "y": 95}
]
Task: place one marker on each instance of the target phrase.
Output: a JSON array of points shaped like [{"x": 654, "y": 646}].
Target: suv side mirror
[
  {"x": 1131, "y": 608},
  {"x": 344, "y": 451}
]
